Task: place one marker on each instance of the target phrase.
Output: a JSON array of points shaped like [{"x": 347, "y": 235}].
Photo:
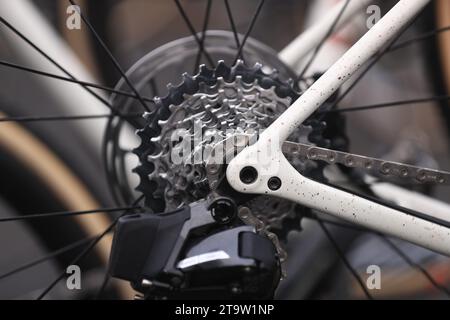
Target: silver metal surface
[{"x": 206, "y": 119}]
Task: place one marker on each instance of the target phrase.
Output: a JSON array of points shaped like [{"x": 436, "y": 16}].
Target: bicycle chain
[
  {"x": 368, "y": 164},
  {"x": 246, "y": 216},
  {"x": 349, "y": 160}
]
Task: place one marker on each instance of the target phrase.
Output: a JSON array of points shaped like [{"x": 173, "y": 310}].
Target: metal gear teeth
[
  {"x": 175, "y": 96},
  {"x": 189, "y": 86}
]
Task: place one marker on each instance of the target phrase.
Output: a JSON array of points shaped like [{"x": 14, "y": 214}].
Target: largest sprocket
[{"x": 200, "y": 111}]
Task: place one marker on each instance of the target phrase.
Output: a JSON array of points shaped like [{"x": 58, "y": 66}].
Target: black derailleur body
[{"x": 200, "y": 251}]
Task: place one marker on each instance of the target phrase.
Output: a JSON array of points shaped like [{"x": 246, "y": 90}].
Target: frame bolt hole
[
  {"x": 274, "y": 183},
  {"x": 248, "y": 175}
]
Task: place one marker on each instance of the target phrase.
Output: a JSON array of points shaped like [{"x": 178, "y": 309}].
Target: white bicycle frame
[
  {"x": 294, "y": 186},
  {"x": 267, "y": 158}
]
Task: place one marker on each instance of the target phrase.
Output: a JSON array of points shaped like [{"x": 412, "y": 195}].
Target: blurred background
[{"x": 413, "y": 133}]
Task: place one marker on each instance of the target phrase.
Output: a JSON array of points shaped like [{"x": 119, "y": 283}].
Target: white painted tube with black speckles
[{"x": 313, "y": 194}]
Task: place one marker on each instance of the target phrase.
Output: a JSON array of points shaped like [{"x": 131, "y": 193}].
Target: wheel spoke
[
  {"x": 415, "y": 265},
  {"x": 87, "y": 250},
  {"x": 90, "y": 243},
  {"x": 322, "y": 42},
  {"x": 421, "y": 37},
  {"x": 374, "y": 61},
  {"x": 45, "y": 258},
  {"x": 389, "y": 243},
  {"x": 111, "y": 57},
  {"x": 65, "y": 214},
  {"x": 80, "y": 256},
  {"x": 72, "y": 80},
  {"x": 233, "y": 27},
  {"x": 53, "y": 61},
  {"x": 193, "y": 32},
  {"x": 67, "y": 118},
  {"x": 388, "y": 104},
  {"x": 201, "y": 48},
  {"x": 54, "y": 118},
  {"x": 249, "y": 30},
  {"x": 345, "y": 260}
]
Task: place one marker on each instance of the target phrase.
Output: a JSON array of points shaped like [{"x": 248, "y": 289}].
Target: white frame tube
[
  {"x": 271, "y": 162},
  {"x": 305, "y": 43},
  {"x": 29, "y": 21},
  {"x": 72, "y": 99}
]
